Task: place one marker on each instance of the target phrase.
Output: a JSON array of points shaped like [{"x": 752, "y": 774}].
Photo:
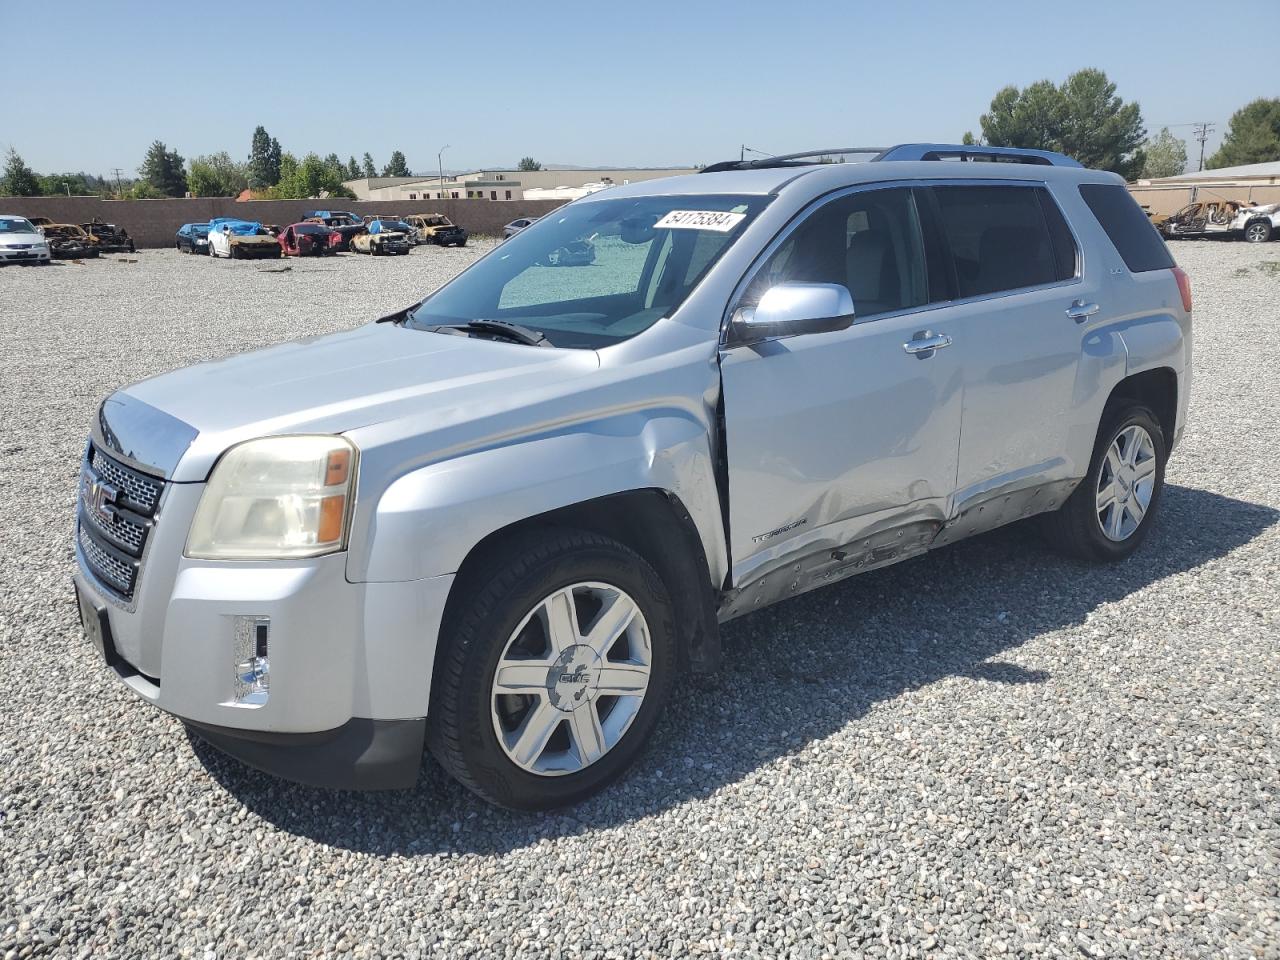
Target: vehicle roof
[
  {"x": 823, "y": 177},
  {"x": 13, "y": 216}
]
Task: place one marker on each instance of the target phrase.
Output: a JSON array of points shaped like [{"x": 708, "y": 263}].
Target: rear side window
[
  {"x": 1004, "y": 238},
  {"x": 1132, "y": 234}
]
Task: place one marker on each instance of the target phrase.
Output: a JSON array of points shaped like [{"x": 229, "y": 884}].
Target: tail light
[
  {"x": 1184, "y": 287},
  {"x": 335, "y": 238}
]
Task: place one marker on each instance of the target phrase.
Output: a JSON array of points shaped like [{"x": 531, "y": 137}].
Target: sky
[{"x": 650, "y": 83}]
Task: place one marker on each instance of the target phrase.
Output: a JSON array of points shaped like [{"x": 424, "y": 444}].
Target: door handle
[
  {"x": 924, "y": 343},
  {"x": 1079, "y": 311}
]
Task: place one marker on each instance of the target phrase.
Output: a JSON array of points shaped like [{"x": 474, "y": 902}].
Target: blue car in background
[{"x": 193, "y": 238}]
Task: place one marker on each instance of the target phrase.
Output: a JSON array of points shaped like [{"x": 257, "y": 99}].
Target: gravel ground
[{"x": 986, "y": 750}]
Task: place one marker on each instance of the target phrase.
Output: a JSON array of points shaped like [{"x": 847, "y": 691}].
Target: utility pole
[
  {"x": 1203, "y": 129},
  {"x": 440, "y": 168},
  {"x": 119, "y": 189}
]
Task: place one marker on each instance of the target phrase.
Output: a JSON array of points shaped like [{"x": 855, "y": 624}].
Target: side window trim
[
  {"x": 925, "y": 212},
  {"x": 795, "y": 223},
  {"x": 1043, "y": 189}
]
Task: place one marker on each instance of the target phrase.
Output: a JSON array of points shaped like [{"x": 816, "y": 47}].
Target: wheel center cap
[{"x": 573, "y": 677}]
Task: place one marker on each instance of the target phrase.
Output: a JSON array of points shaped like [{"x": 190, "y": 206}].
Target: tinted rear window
[
  {"x": 1000, "y": 238},
  {"x": 1132, "y": 234}
]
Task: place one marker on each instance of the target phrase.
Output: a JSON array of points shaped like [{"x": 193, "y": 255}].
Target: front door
[{"x": 842, "y": 446}]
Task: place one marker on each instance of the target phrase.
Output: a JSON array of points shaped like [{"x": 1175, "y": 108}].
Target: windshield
[
  {"x": 16, "y": 225},
  {"x": 595, "y": 273}
]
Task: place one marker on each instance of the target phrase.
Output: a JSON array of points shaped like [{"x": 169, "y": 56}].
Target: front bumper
[
  {"x": 9, "y": 255},
  {"x": 350, "y": 663},
  {"x": 359, "y": 755}
]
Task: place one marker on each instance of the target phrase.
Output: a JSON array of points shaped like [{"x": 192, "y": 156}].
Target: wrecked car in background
[
  {"x": 308, "y": 240},
  {"x": 438, "y": 229},
  {"x": 382, "y": 243},
  {"x": 110, "y": 238},
  {"x": 1209, "y": 218},
  {"x": 345, "y": 222},
  {"x": 1258, "y": 224},
  {"x": 69, "y": 242},
  {"x": 240, "y": 239}
]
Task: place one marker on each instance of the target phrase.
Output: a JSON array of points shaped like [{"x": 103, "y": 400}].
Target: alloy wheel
[
  {"x": 1126, "y": 482},
  {"x": 571, "y": 679}
]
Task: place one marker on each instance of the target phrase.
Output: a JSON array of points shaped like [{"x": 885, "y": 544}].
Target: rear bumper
[{"x": 359, "y": 755}]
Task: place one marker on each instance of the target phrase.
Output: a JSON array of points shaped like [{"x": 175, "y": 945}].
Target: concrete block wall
[{"x": 153, "y": 223}]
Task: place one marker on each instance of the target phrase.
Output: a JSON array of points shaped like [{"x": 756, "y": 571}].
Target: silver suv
[{"x": 502, "y": 520}]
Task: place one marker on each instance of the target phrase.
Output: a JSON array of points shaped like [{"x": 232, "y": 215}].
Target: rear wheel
[
  {"x": 1110, "y": 512},
  {"x": 553, "y": 672},
  {"x": 1258, "y": 232}
]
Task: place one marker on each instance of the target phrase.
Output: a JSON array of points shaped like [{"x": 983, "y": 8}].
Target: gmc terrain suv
[{"x": 501, "y": 520}]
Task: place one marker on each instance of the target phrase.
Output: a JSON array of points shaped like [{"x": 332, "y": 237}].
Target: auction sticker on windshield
[{"x": 717, "y": 220}]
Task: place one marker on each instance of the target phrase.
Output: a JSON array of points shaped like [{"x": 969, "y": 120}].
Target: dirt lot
[{"x": 984, "y": 751}]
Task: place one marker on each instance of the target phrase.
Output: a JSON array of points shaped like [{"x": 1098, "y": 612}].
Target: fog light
[{"x": 252, "y": 666}]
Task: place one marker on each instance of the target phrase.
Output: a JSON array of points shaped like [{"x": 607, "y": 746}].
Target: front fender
[{"x": 427, "y": 521}]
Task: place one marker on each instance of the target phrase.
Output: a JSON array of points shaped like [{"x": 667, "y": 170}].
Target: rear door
[
  {"x": 841, "y": 446},
  {"x": 1016, "y": 272}
]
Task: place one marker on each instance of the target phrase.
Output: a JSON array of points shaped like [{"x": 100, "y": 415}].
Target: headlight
[{"x": 276, "y": 499}]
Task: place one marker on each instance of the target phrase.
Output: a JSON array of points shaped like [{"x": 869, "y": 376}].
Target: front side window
[
  {"x": 868, "y": 242},
  {"x": 1001, "y": 239},
  {"x": 597, "y": 272}
]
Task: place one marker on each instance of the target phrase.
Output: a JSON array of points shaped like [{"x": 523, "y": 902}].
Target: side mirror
[{"x": 792, "y": 309}]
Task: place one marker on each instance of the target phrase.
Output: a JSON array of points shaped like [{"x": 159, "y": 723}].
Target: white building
[{"x": 505, "y": 184}]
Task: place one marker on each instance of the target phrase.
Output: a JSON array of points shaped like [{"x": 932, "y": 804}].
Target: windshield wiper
[{"x": 512, "y": 331}]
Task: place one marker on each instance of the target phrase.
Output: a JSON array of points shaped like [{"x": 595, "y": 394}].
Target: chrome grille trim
[
  {"x": 139, "y": 489},
  {"x": 112, "y": 540},
  {"x": 106, "y": 566}
]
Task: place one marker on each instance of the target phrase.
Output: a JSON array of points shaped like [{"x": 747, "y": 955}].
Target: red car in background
[{"x": 309, "y": 240}]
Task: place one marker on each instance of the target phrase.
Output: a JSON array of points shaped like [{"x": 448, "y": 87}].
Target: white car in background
[
  {"x": 21, "y": 241},
  {"x": 1257, "y": 224},
  {"x": 515, "y": 226}
]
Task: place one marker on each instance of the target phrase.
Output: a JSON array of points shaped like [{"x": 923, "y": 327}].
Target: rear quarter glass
[{"x": 1130, "y": 232}]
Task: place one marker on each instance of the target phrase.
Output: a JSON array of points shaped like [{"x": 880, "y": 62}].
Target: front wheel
[
  {"x": 552, "y": 673},
  {"x": 1258, "y": 232},
  {"x": 1109, "y": 514}
]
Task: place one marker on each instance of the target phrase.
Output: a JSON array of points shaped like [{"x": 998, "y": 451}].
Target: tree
[
  {"x": 1164, "y": 156},
  {"x": 1082, "y": 118},
  {"x": 19, "y": 180},
  {"x": 311, "y": 177},
  {"x": 529, "y": 165},
  {"x": 367, "y": 168},
  {"x": 217, "y": 176},
  {"x": 397, "y": 167},
  {"x": 1253, "y": 135},
  {"x": 264, "y": 160},
  {"x": 353, "y": 169},
  {"x": 162, "y": 169},
  {"x": 75, "y": 184}
]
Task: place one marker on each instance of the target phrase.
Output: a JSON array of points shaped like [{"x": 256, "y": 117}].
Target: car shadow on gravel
[{"x": 794, "y": 673}]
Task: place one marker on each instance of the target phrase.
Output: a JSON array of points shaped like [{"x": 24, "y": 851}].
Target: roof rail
[
  {"x": 975, "y": 152},
  {"x": 905, "y": 151},
  {"x": 807, "y": 158}
]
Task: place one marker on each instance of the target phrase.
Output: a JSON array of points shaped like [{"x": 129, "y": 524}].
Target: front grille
[
  {"x": 141, "y": 491},
  {"x": 116, "y": 514}
]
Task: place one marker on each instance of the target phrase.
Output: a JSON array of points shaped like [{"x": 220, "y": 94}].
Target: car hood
[
  {"x": 341, "y": 382},
  {"x": 8, "y": 238}
]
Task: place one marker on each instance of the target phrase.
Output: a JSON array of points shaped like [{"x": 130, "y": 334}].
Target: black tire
[
  {"x": 495, "y": 597},
  {"x": 1074, "y": 528},
  {"x": 1259, "y": 231}
]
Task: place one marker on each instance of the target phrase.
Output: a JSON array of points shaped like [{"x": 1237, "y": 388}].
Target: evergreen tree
[
  {"x": 1253, "y": 135},
  {"x": 353, "y": 169},
  {"x": 368, "y": 169},
  {"x": 264, "y": 160},
  {"x": 19, "y": 180},
  {"x": 398, "y": 167},
  {"x": 162, "y": 169}
]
